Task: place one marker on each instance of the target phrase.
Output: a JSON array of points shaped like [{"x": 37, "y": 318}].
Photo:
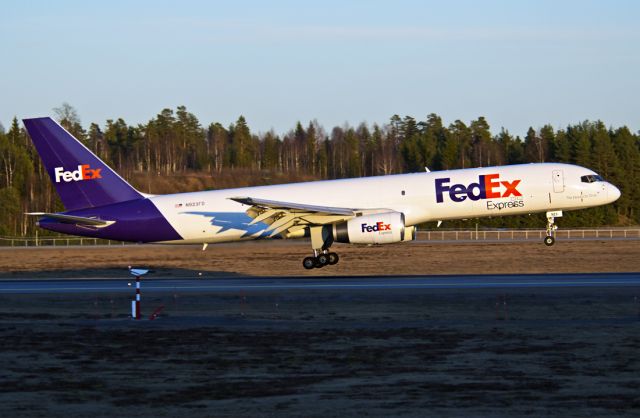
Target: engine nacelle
[{"x": 378, "y": 228}]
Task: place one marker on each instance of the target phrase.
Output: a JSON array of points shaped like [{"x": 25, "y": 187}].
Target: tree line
[{"x": 175, "y": 143}]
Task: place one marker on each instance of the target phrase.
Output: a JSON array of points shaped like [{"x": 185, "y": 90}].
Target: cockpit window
[{"x": 591, "y": 178}]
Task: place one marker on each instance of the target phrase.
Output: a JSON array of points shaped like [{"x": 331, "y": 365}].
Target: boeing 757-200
[{"x": 372, "y": 210}]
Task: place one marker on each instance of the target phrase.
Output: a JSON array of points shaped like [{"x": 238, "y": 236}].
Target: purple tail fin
[{"x": 81, "y": 179}]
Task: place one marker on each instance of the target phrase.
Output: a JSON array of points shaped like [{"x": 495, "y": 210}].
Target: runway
[{"x": 266, "y": 284}]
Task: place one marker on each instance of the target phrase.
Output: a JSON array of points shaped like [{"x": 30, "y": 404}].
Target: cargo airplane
[{"x": 372, "y": 210}]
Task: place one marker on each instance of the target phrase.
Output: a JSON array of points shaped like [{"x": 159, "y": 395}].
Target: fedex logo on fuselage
[
  {"x": 378, "y": 226},
  {"x": 84, "y": 172},
  {"x": 488, "y": 187}
]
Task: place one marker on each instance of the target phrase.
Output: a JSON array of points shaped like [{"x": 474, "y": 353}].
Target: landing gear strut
[
  {"x": 550, "y": 239},
  {"x": 321, "y": 240}
]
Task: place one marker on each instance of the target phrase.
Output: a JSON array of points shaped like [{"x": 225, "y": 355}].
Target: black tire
[
  {"x": 333, "y": 258},
  {"x": 309, "y": 262},
  {"x": 323, "y": 260},
  {"x": 549, "y": 241}
]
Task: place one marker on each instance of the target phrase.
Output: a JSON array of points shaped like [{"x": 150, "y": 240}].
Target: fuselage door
[{"x": 558, "y": 181}]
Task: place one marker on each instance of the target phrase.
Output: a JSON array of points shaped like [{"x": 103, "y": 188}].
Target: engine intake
[{"x": 378, "y": 228}]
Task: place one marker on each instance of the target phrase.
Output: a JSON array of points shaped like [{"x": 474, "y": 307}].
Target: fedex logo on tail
[
  {"x": 84, "y": 172},
  {"x": 488, "y": 187}
]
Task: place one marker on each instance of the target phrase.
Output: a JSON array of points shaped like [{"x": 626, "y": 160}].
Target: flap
[
  {"x": 285, "y": 216},
  {"x": 294, "y": 207}
]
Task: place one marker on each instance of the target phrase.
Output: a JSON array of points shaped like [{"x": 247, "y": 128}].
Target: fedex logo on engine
[
  {"x": 377, "y": 227},
  {"x": 84, "y": 172},
  {"x": 488, "y": 187}
]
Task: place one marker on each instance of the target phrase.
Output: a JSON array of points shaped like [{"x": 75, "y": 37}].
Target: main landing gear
[
  {"x": 321, "y": 240},
  {"x": 325, "y": 258},
  {"x": 550, "y": 239}
]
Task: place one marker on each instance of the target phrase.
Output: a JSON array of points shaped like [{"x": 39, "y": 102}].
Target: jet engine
[{"x": 378, "y": 228}]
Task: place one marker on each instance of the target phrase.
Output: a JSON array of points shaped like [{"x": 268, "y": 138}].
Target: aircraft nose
[{"x": 613, "y": 193}]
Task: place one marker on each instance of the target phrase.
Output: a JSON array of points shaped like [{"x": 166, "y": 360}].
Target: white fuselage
[{"x": 210, "y": 216}]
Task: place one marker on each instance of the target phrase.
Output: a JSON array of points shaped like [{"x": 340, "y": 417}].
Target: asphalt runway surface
[
  {"x": 160, "y": 285},
  {"x": 541, "y": 345}
]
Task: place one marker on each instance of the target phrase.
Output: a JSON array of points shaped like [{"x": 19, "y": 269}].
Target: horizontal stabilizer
[{"x": 76, "y": 220}]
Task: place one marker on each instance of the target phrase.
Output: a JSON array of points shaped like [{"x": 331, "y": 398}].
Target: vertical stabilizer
[{"x": 81, "y": 179}]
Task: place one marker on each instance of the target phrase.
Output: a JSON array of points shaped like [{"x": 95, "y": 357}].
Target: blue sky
[{"x": 518, "y": 63}]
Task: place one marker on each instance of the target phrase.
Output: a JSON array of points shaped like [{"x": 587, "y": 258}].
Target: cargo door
[{"x": 558, "y": 181}]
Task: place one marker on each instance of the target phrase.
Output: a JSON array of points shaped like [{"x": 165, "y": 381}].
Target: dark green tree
[
  {"x": 560, "y": 147},
  {"x": 271, "y": 145},
  {"x": 481, "y": 143}
]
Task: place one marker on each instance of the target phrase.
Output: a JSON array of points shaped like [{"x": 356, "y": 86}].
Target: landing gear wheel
[
  {"x": 309, "y": 262},
  {"x": 550, "y": 239},
  {"x": 323, "y": 260},
  {"x": 333, "y": 258}
]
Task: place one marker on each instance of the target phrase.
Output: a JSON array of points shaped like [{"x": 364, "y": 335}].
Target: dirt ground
[{"x": 283, "y": 258}]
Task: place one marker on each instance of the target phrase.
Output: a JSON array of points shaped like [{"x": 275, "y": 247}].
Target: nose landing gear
[{"x": 550, "y": 239}]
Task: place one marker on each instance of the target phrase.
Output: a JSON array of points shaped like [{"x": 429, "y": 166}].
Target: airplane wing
[
  {"x": 292, "y": 217},
  {"x": 76, "y": 220}
]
